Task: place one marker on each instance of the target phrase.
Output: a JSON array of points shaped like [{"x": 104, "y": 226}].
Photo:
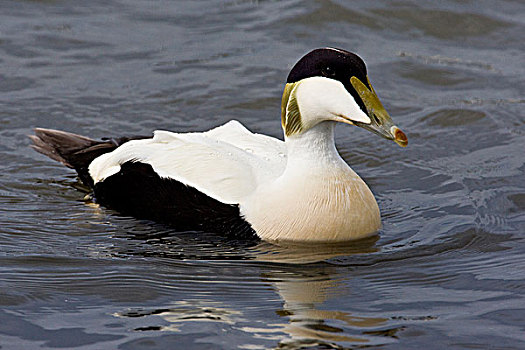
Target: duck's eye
[{"x": 328, "y": 71}]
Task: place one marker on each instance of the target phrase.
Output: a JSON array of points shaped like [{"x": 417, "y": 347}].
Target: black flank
[{"x": 138, "y": 191}]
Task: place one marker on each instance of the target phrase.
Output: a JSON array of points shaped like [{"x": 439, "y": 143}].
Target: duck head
[{"x": 332, "y": 84}]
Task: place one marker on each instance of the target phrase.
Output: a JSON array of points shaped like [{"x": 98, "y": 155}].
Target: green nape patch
[{"x": 290, "y": 114}]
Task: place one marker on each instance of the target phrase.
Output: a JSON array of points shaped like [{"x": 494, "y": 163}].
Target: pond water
[{"x": 447, "y": 270}]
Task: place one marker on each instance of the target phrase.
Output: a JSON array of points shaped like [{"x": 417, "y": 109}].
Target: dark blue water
[{"x": 446, "y": 271}]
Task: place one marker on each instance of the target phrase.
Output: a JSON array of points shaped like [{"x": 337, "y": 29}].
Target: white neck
[
  {"x": 317, "y": 198},
  {"x": 314, "y": 149}
]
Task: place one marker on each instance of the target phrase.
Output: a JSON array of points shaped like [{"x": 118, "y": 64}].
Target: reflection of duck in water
[
  {"x": 305, "y": 313},
  {"x": 307, "y": 290},
  {"x": 286, "y": 294},
  {"x": 293, "y": 253},
  {"x": 312, "y": 322},
  {"x": 229, "y": 180}
]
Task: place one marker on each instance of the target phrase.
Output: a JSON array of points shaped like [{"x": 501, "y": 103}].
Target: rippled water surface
[{"x": 446, "y": 271}]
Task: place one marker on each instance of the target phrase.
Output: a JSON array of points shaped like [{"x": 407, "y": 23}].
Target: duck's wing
[
  {"x": 260, "y": 145},
  {"x": 265, "y": 154},
  {"x": 226, "y": 163}
]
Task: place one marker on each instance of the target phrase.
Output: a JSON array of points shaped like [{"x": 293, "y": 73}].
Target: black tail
[{"x": 74, "y": 151}]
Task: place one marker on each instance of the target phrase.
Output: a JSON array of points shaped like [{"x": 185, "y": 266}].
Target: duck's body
[
  {"x": 233, "y": 181},
  {"x": 317, "y": 197}
]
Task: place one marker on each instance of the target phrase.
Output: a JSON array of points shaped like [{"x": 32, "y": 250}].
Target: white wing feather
[{"x": 226, "y": 163}]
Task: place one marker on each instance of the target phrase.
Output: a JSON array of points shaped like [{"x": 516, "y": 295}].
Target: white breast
[{"x": 323, "y": 207}]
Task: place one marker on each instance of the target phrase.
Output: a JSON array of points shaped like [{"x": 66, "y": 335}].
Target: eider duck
[{"x": 231, "y": 181}]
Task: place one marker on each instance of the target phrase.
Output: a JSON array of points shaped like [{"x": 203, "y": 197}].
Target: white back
[{"x": 226, "y": 163}]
